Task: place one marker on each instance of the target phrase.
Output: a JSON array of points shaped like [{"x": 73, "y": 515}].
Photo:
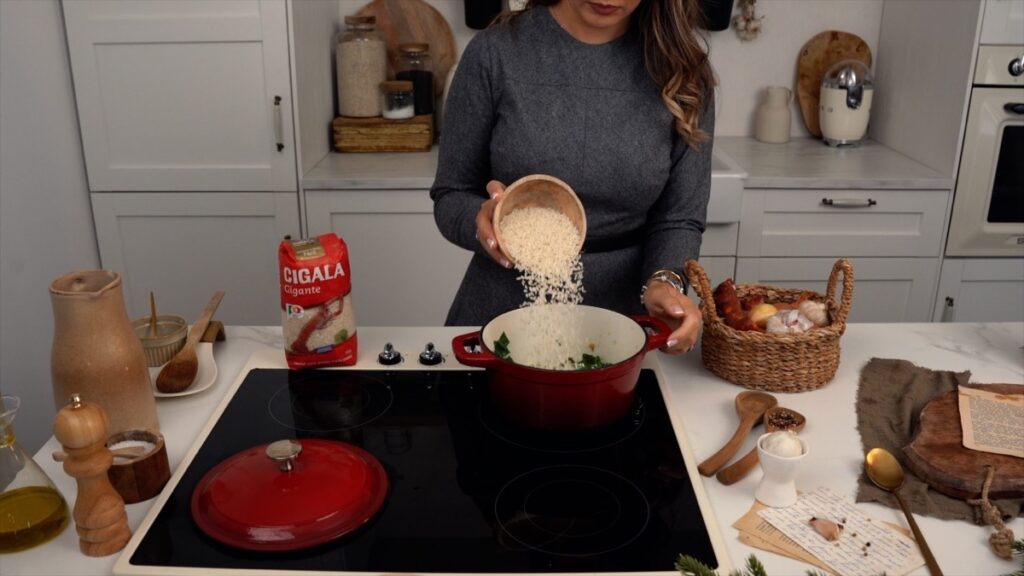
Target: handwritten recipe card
[{"x": 867, "y": 547}]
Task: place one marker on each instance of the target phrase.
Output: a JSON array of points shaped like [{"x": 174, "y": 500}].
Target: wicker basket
[{"x": 774, "y": 362}]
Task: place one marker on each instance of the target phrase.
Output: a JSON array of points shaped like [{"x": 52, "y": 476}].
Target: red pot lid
[{"x": 289, "y": 495}]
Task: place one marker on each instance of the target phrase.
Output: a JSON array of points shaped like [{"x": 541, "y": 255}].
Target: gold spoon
[{"x": 885, "y": 472}]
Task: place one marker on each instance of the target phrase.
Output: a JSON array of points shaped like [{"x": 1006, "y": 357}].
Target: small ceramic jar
[
  {"x": 161, "y": 345},
  {"x": 773, "y": 116}
]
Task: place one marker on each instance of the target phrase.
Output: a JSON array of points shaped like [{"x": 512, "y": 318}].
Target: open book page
[
  {"x": 992, "y": 422},
  {"x": 867, "y": 547},
  {"x": 759, "y": 533}
]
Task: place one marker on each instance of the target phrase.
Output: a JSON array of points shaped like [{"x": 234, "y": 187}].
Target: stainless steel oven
[{"x": 988, "y": 206}]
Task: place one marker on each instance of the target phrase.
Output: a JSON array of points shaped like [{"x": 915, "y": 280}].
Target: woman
[{"x": 615, "y": 98}]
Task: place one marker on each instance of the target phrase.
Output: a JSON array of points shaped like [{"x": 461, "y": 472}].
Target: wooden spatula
[{"x": 180, "y": 372}]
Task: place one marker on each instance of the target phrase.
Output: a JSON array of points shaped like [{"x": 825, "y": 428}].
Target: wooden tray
[
  {"x": 937, "y": 455},
  {"x": 404, "y": 21},
  {"x": 816, "y": 57}
]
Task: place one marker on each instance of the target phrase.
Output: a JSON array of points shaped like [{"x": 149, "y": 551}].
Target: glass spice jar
[
  {"x": 362, "y": 64},
  {"x": 397, "y": 99},
  {"x": 415, "y": 65}
]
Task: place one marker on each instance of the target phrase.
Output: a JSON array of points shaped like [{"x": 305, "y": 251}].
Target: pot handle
[
  {"x": 657, "y": 331},
  {"x": 461, "y": 346}
]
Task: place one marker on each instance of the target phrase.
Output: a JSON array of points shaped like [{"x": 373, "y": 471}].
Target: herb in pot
[
  {"x": 586, "y": 361},
  {"x": 501, "y": 348}
]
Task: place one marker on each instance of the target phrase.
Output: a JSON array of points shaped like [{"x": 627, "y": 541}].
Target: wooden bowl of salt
[
  {"x": 140, "y": 468},
  {"x": 540, "y": 191}
]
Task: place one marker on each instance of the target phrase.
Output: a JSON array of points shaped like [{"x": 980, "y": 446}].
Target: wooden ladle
[
  {"x": 775, "y": 418},
  {"x": 751, "y": 407},
  {"x": 178, "y": 374},
  {"x": 884, "y": 470}
]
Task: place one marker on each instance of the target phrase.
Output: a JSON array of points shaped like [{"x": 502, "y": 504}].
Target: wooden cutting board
[
  {"x": 404, "y": 21},
  {"x": 816, "y": 57},
  {"x": 937, "y": 455}
]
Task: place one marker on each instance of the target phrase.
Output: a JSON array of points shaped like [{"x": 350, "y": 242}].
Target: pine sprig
[
  {"x": 690, "y": 566},
  {"x": 1018, "y": 550}
]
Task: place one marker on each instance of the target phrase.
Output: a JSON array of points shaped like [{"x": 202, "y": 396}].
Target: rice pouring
[
  {"x": 317, "y": 319},
  {"x": 542, "y": 242}
]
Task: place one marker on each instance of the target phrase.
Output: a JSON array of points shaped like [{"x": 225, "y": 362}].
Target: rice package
[{"x": 316, "y": 303}]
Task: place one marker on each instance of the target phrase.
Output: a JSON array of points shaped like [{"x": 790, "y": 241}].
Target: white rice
[
  {"x": 543, "y": 243},
  {"x": 343, "y": 324}
]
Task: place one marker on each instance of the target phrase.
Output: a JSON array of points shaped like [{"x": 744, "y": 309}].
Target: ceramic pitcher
[
  {"x": 96, "y": 354},
  {"x": 773, "y": 116}
]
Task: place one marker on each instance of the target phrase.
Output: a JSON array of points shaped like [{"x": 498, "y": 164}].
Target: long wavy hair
[{"x": 676, "y": 57}]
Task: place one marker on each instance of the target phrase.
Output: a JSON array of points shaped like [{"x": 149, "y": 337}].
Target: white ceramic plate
[{"x": 205, "y": 378}]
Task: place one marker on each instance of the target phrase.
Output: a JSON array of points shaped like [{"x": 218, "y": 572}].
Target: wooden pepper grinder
[{"x": 99, "y": 513}]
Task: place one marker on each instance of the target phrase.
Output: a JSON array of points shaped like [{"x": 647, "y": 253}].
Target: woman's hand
[
  {"x": 664, "y": 302},
  {"x": 484, "y": 229}
]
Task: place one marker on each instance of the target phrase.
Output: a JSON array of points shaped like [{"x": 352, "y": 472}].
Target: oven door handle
[{"x": 1014, "y": 107}]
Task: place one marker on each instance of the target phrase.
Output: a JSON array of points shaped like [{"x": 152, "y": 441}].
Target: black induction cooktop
[{"x": 469, "y": 491}]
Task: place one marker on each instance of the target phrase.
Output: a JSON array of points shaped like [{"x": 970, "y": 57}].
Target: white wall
[
  {"x": 745, "y": 69},
  {"x": 45, "y": 221}
]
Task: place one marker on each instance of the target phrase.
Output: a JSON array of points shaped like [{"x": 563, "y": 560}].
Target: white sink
[{"x": 726, "y": 189}]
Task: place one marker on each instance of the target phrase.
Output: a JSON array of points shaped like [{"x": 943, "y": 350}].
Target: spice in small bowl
[{"x": 161, "y": 344}]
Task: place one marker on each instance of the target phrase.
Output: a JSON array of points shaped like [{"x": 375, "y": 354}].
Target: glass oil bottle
[{"x": 32, "y": 511}]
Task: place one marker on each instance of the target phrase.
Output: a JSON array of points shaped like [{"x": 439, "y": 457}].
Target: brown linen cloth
[{"x": 890, "y": 397}]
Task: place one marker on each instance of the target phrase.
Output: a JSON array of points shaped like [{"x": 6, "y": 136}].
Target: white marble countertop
[
  {"x": 701, "y": 404},
  {"x": 809, "y": 163},
  {"x": 373, "y": 170},
  {"x": 800, "y": 163}
]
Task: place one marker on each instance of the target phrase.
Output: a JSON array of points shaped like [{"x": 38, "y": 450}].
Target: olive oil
[{"x": 29, "y": 516}]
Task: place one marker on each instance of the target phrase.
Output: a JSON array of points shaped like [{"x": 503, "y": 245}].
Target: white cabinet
[
  {"x": 884, "y": 290},
  {"x": 186, "y": 245},
  {"x": 791, "y": 238},
  {"x": 404, "y": 273},
  {"x": 981, "y": 290},
  {"x": 183, "y": 94},
  {"x": 842, "y": 222}
]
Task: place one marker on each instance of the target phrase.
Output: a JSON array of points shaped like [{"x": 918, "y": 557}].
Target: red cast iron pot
[{"x": 565, "y": 400}]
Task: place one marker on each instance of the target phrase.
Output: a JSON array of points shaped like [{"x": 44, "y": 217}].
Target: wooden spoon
[
  {"x": 180, "y": 372},
  {"x": 884, "y": 470},
  {"x": 152, "y": 314},
  {"x": 775, "y": 418},
  {"x": 751, "y": 407}
]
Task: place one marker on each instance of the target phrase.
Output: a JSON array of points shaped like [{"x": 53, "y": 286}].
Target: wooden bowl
[{"x": 540, "y": 190}]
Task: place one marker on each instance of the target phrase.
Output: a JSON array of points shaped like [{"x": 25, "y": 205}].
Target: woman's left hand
[{"x": 664, "y": 302}]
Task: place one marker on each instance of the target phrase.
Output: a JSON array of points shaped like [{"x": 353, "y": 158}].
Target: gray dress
[{"x": 528, "y": 98}]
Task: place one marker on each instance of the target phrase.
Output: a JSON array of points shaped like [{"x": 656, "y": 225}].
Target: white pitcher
[{"x": 773, "y": 116}]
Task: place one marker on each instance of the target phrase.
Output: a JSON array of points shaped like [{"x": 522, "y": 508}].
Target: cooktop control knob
[
  {"x": 430, "y": 356},
  {"x": 389, "y": 356}
]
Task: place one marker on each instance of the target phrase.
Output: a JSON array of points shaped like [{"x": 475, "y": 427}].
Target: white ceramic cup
[{"x": 777, "y": 488}]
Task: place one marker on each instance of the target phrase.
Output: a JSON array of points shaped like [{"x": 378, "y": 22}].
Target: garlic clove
[{"x": 828, "y": 529}]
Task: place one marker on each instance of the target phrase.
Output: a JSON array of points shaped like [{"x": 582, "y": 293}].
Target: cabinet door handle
[
  {"x": 947, "y": 310},
  {"x": 848, "y": 202},
  {"x": 278, "y": 124},
  {"x": 1014, "y": 107}
]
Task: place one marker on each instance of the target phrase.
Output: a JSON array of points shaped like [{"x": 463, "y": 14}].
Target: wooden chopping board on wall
[
  {"x": 937, "y": 454},
  {"x": 404, "y": 21},
  {"x": 816, "y": 57}
]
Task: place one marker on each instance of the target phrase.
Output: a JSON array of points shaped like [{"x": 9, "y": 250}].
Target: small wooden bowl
[
  {"x": 139, "y": 476},
  {"x": 543, "y": 191}
]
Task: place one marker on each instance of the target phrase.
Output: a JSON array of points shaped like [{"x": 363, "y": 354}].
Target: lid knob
[{"x": 284, "y": 452}]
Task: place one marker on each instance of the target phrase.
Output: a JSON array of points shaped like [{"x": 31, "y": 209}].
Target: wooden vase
[{"x": 95, "y": 352}]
